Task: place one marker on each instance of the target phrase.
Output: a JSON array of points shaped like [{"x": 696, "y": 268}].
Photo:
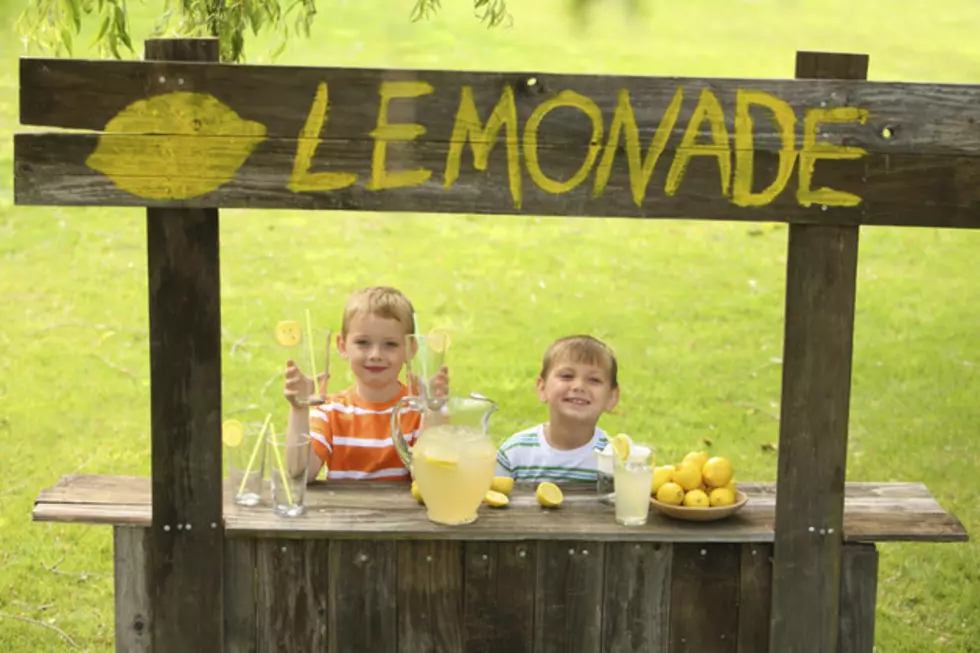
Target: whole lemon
[
  {"x": 721, "y": 496},
  {"x": 717, "y": 472},
  {"x": 687, "y": 475},
  {"x": 661, "y": 475},
  {"x": 502, "y": 484},
  {"x": 699, "y": 458},
  {"x": 416, "y": 493},
  {"x": 696, "y": 499},
  {"x": 670, "y": 493}
]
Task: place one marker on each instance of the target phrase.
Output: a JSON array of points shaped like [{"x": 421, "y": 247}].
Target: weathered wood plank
[
  {"x": 858, "y": 590},
  {"x": 873, "y": 512},
  {"x": 134, "y": 617},
  {"x": 636, "y": 598},
  {"x": 430, "y": 596},
  {"x": 821, "y": 274},
  {"x": 499, "y": 581},
  {"x": 186, "y": 541},
  {"x": 754, "y": 598},
  {"x": 704, "y": 598},
  {"x": 240, "y": 605},
  {"x": 568, "y": 597},
  {"x": 904, "y": 190},
  {"x": 922, "y": 118},
  {"x": 292, "y": 581},
  {"x": 363, "y": 608}
]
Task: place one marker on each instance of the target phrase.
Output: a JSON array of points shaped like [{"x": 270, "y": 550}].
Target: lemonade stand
[{"x": 364, "y": 568}]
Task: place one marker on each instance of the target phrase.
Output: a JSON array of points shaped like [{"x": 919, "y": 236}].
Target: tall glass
[
  {"x": 426, "y": 354},
  {"x": 288, "y": 475},
  {"x": 245, "y": 457},
  {"x": 633, "y": 480}
]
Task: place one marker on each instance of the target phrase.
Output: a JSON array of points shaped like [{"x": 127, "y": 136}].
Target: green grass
[{"x": 694, "y": 310}]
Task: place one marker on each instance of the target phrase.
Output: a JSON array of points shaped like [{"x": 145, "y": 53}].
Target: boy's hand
[
  {"x": 439, "y": 385},
  {"x": 299, "y": 389}
]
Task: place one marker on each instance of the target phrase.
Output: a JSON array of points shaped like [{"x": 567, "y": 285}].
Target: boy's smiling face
[
  {"x": 578, "y": 391},
  {"x": 375, "y": 348}
]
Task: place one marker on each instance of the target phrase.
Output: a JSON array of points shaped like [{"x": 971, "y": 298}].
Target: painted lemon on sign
[{"x": 175, "y": 146}]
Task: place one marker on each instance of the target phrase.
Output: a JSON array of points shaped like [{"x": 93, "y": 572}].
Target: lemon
[
  {"x": 731, "y": 486},
  {"x": 175, "y": 146},
  {"x": 717, "y": 472},
  {"x": 670, "y": 493},
  {"x": 416, "y": 493},
  {"x": 502, "y": 484},
  {"x": 696, "y": 499},
  {"x": 699, "y": 458},
  {"x": 721, "y": 496},
  {"x": 687, "y": 475},
  {"x": 496, "y": 499},
  {"x": 621, "y": 445},
  {"x": 289, "y": 333},
  {"x": 661, "y": 475},
  {"x": 439, "y": 340},
  {"x": 549, "y": 495},
  {"x": 232, "y": 433},
  {"x": 444, "y": 459}
]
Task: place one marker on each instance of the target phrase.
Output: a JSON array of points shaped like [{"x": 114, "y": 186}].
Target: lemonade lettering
[{"x": 177, "y": 169}]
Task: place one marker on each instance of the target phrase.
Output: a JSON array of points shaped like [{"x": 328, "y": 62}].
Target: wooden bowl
[{"x": 702, "y": 514}]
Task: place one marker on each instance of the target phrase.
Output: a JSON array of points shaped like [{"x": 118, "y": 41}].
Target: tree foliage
[{"x": 54, "y": 25}]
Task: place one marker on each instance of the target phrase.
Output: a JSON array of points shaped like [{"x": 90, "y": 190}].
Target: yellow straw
[
  {"x": 282, "y": 469},
  {"x": 309, "y": 345},
  {"x": 255, "y": 451}
]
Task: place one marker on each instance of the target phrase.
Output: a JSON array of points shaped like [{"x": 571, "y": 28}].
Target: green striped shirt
[{"x": 527, "y": 457}]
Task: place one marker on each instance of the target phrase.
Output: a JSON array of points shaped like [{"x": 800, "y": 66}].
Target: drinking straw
[
  {"x": 282, "y": 469},
  {"x": 309, "y": 345},
  {"x": 255, "y": 451}
]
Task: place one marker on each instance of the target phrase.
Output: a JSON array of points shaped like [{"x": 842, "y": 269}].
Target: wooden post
[
  {"x": 186, "y": 541},
  {"x": 820, "y": 287}
]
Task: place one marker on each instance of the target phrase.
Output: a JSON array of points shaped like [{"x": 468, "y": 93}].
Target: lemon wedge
[
  {"x": 549, "y": 495},
  {"x": 444, "y": 459},
  {"x": 232, "y": 433},
  {"x": 496, "y": 499},
  {"x": 622, "y": 445},
  {"x": 439, "y": 340},
  {"x": 289, "y": 333}
]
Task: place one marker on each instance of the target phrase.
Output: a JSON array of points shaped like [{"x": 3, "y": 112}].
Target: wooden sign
[{"x": 216, "y": 135}]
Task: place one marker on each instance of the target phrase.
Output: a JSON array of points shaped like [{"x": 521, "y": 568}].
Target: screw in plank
[
  {"x": 163, "y": 79},
  {"x": 428, "y": 558},
  {"x": 585, "y": 552},
  {"x": 363, "y": 557},
  {"x": 571, "y": 552},
  {"x": 822, "y": 531},
  {"x": 188, "y": 527},
  {"x": 214, "y": 524},
  {"x": 830, "y": 530},
  {"x": 180, "y": 81},
  {"x": 485, "y": 556},
  {"x": 521, "y": 553},
  {"x": 283, "y": 549},
  {"x": 823, "y": 207},
  {"x": 166, "y": 528},
  {"x": 812, "y": 529},
  {"x": 180, "y": 527},
  {"x": 704, "y": 552},
  {"x": 754, "y": 552}
]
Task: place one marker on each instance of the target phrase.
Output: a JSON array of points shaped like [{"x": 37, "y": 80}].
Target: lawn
[{"x": 694, "y": 310}]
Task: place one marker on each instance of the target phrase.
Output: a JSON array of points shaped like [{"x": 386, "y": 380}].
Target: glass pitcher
[{"x": 453, "y": 460}]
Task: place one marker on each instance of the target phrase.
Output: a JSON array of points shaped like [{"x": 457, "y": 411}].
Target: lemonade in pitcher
[{"x": 453, "y": 467}]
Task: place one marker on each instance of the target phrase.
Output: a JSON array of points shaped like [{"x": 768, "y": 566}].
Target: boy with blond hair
[
  {"x": 579, "y": 383},
  {"x": 351, "y": 431}
]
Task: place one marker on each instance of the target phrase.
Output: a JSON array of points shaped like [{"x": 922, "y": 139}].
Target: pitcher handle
[{"x": 397, "y": 437}]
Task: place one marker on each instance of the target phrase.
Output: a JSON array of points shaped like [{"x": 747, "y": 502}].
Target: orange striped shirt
[{"x": 353, "y": 436}]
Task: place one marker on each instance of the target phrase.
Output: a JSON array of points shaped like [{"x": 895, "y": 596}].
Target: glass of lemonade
[{"x": 633, "y": 479}]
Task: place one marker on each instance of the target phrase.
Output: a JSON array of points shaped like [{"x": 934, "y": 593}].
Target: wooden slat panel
[
  {"x": 185, "y": 413},
  {"x": 874, "y": 512},
  {"x": 858, "y": 590},
  {"x": 704, "y": 598},
  {"x": 895, "y": 189},
  {"x": 754, "y": 598},
  {"x": 292, "y": 585},
  {"x": 568, "y": 603},
  {"x": 821, "y": 273},
  {"x": 134, "y": 617},
  {"x": 636, "y": 598},
  {"x": 363, "y": 605},
  {"x": 430, "y": 596},
  {"x": 923, "y": 118},
  {"x": 240, "y": 605},
  {"x": 500, "y": 588}
]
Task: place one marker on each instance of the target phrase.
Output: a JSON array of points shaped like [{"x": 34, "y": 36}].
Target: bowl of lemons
[{"x": 699, "y": 488}]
